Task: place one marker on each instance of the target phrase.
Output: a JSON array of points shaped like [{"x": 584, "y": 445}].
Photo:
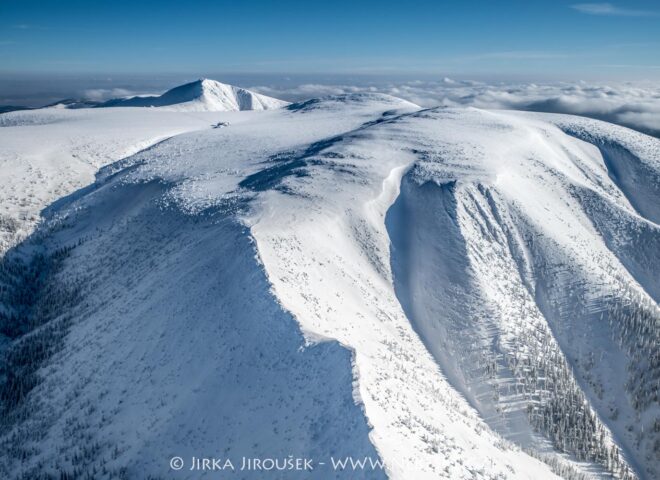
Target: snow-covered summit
[{"x": 203, "y": 95}]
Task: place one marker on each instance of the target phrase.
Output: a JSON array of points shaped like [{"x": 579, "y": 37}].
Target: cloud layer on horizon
[
  {"x": 636, "y": 105},
  {"x": 632, "y": 104}
]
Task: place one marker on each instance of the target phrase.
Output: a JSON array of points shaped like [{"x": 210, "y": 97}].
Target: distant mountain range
[{"x": 200, "y": 95}]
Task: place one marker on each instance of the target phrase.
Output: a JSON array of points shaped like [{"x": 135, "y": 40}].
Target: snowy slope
[
  {"x": 47, "y": 154},
  {"x": 458, "y": 292},
  {"x": 203, "y": 95}
]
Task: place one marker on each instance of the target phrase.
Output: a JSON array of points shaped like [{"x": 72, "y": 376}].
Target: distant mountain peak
[{"x": 203, "y": 95}]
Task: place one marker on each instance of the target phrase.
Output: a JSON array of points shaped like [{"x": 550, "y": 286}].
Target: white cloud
[
  {"x": 101, "y": 94},
  {"x": 610, "y": 10},
  {"x": 636, "y": 105}
]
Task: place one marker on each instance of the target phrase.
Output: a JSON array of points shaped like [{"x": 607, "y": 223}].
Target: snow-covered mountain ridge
[
  {"x": 203, "y": 95},
  {"x": 462, "y": 293}
]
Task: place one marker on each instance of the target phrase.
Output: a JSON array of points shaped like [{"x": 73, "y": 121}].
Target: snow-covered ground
[
  {"x": 457, "y": 292},
  {"x": 49, "y": 153}
]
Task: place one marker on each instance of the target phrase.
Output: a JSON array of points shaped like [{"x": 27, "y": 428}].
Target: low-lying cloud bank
[
  {"x": 632, "y": 104},
  {"x": 635, "y": 105}
]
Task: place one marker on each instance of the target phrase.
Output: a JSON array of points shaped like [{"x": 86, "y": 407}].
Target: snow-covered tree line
[{"x": 556, "y": 406}]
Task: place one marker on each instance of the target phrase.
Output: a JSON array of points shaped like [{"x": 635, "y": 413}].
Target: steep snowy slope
[
  {"x": 457, "y": 292},
  {"x": 491, "y": 241},
  {"x": 203, "y": 95}
]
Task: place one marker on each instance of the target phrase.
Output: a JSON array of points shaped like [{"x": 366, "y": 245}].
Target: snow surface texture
[
  {"x": 461, "y": 293},
  {"x": 203, "y": 95},
  {"x": 49, "y": 153}
]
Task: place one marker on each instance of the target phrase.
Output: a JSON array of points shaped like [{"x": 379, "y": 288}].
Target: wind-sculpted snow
[
  {"x": 632, "y": 159},
  {"x": 476, "y": 292}
]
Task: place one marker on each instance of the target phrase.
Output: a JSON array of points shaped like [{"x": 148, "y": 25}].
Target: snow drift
[{"x": 460, "y": 293}]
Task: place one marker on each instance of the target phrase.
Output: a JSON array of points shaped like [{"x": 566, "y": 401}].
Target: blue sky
[{"x": 530, "y": 38}]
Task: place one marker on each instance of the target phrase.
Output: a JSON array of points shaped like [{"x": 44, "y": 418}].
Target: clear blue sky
[{"x": 533, "y": 38}]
